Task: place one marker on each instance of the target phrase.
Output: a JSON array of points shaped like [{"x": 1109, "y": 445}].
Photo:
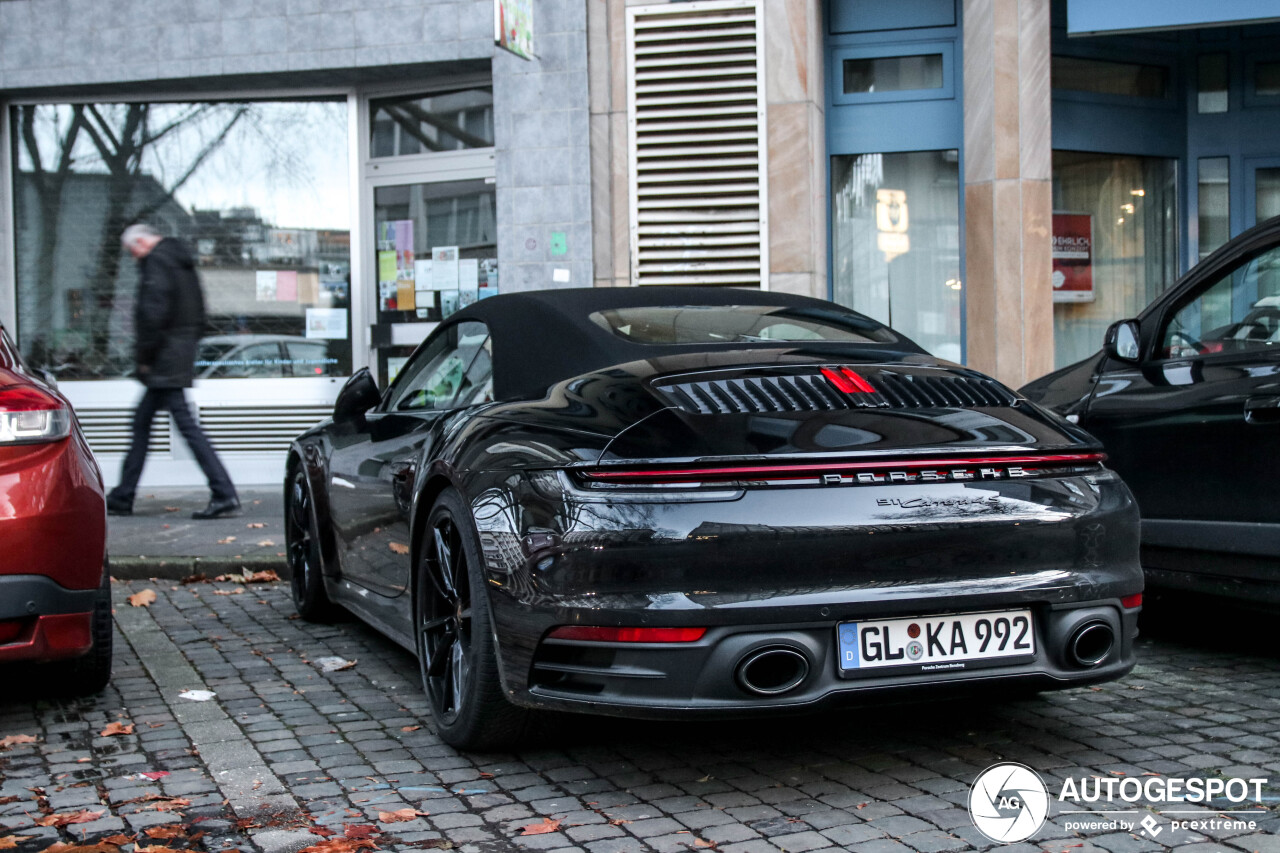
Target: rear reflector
[
  {"x": 11, "y": 630},
  {"x": 627, "y": 635},
  {"x": 971, "y": 468},
  {"x": 1129, "y": 602}
]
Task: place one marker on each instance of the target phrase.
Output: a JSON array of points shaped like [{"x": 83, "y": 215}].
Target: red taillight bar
[
  {"x": 1129, "y": 602},
  {"x": 782, "y": 471},
  {"x": 627, "y": 635}
]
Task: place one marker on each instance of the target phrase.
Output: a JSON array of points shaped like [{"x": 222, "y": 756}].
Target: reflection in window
[
  {"x": 1102, "y": 77},
  {"x": 1131, "y": 203},
  {"x": 1266, "y": 79},
  {"x": 1237, "y": 313},
  {"x": 893, "y": 73},
  {"x": 896, "y": 243},
  {"x": 1212, "y": 83},
  {"x": 1214, "y": 194},
  {"x": 258, "y": 190},
  {"x": 420, "y": 124},
  {"x": 1267, "y": 194}
]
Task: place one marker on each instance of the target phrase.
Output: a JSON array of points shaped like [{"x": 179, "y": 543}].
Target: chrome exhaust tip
[
  {"x": 772, "y": 671},
  {"x": 1091, "y": 643}
]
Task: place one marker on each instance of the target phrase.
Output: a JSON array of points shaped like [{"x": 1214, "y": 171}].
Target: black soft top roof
[{"x": 541, "y": 337}]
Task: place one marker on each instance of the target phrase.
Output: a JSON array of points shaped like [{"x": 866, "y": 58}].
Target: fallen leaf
[
  {"x": 67, "y": 818},
  {"x": 322, "y": 831},
  {"x": 706, "y": 778},
  {"x": 339, "y": 845},
  {"x": 143, "y": 599},
  {"x": 359, "y": 830},
  {"x": 266, "y": 543},
  {"x": 117, "y": 728},
  {"x": 236, "y": 591},
  {"x": 12, "y": 740},
  {"x": 547, "y": 825},
  {"x": 172, "y": 508},
  {"x": 157, "y": 848},
  {"x": 398, "y": 547},
  {"x": 8, "y": 842},
  {"x": 618, "y": 821},
  {"x": 400, "y": 815},
  {"x": 227, "y": 541},
  {"x": 100, "y": 847},
  {"x": 200, "y": 578},
  {"x": 119, "y": 839},
  {"x": 170, "y": 830},
  {"x": 409, "y": 728},
  {"x": 167, "y": 804},
  {"x": 256, "y": 525},
  {"x": 698, "y": 842}
]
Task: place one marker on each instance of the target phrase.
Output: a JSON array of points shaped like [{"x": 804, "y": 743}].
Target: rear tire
[
  {"x": 457, "y": 651},
  {"x": 90, "y": 673},
  {"x": 302, "y": 547}
]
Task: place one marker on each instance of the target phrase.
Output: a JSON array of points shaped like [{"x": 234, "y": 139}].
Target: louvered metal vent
[
  {"x": 812, "y": 392},
  {"x": 695, "y": 102},
  {"x": 258, "y": 428},
  {"x": 111, "y": 430}
]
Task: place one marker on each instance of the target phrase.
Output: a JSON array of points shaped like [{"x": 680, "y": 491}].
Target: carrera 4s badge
[{"x": 921, "y": 503}]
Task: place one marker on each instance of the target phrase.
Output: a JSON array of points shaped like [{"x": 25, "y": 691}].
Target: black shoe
[
  {"x": 218, "y": 507},
  {"x": 115, "y": 507}
]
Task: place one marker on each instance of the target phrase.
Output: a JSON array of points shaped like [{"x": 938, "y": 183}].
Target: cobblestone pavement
[{"x": 286, "y": 756}]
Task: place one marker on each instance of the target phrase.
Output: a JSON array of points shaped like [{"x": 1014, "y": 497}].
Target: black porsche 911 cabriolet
[{"x": 663, "y": 502}]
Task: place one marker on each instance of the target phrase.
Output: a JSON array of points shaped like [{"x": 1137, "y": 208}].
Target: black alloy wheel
[
  {"x": 456, "y": 649},
  {"x": 302, "y": 545}
]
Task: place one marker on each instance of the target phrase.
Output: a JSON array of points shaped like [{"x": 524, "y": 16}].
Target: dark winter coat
[{"x": 168, "y": 316}]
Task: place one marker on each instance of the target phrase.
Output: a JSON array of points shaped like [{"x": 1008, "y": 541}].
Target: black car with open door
[
  {"x": 669, "y": 502},
  {"x": 1186, "y": 400}
]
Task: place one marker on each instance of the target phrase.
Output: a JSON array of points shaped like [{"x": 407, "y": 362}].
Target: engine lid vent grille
[{"x": 810, "y": 392}]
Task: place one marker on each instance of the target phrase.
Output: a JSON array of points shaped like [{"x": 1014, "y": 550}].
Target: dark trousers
[{"x": 175, "y": 401}]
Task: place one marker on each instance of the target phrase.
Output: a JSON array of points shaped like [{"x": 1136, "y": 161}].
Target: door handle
[{"x": 1262, "y": 410}]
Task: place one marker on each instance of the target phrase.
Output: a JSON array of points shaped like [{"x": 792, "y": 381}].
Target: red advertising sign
[{"x": 1072, "y": 257}]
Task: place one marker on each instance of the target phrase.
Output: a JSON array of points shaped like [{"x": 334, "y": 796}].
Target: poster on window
[{"x": 1072, "y": 257}]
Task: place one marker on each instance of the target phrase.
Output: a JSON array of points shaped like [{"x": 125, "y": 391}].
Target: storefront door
[{"x": 428, "y": 198}]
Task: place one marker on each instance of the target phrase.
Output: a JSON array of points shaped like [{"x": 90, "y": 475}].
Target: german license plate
[{"x": 938, "y": 644}]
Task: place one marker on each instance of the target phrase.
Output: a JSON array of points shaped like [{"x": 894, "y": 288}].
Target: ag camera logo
[{"x": 1008, "y": 802}]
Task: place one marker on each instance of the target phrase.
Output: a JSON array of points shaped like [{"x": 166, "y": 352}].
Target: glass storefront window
[
  {"x": 1212, "y": 82},
  {"x": 1127, "y": 207},
  {"x": 1103, "y": 77},
  {"x": 437, "y": 251},
  {"x": 1213, "y": 187},
  {"x": 257, "y": 190},
  {"x": 896, "y": 243},
  {"x": 893, "y": 73},
  {"x": 1266, "y": 79},
  {"x": 421, "y": 124}
]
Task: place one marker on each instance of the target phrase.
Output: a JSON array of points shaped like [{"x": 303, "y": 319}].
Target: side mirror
[
  {"x": 358, "y": 396},
  {"x": 1121, "y": 341}
]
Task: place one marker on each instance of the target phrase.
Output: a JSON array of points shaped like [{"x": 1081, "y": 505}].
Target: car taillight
[
  {"x": 29, "y": 415},
  {"x": 10, "y": 630},
  {"x": 1129, "y": 602},
  {"x": 627, "y": 635}
]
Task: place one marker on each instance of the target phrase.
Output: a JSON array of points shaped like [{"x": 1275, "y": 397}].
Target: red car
[{"x": 55, "y": 591}]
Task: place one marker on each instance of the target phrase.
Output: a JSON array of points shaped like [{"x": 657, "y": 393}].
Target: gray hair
[{"x": 134, "y": 233}]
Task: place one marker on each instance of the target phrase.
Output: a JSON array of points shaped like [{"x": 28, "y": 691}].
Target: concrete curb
[{"x": 177, "y": 568}]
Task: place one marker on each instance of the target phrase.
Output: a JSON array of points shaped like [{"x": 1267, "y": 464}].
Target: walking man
[{"x": 168, "y": 322}]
